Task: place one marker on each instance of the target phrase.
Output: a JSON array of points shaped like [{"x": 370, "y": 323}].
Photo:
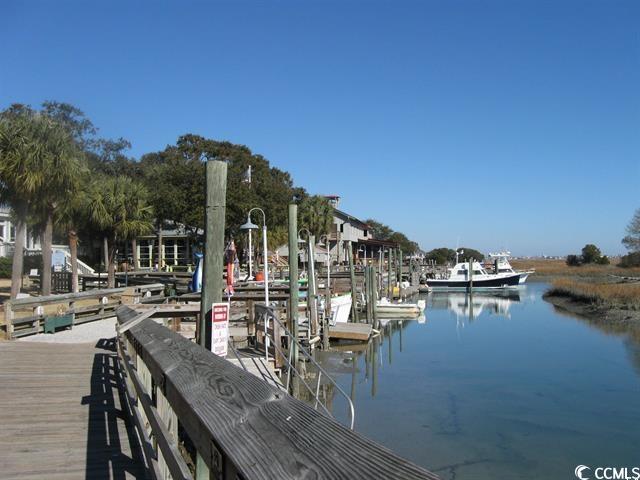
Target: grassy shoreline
[
  {"x": 593, "y": 291},
  {"x": 551, "y": 269}
]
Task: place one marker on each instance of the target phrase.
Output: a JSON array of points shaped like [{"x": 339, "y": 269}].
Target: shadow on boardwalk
[{"x": 67, "y": 419}]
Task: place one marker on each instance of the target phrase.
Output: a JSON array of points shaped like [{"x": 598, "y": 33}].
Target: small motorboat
[{"x": 386, "y": 309}]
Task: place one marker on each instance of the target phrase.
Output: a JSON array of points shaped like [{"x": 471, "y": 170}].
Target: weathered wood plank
[
  {"x": 351, "y": 331},
  {"x": 261, "y": 432},
  {"x": 66, "y": 419}
]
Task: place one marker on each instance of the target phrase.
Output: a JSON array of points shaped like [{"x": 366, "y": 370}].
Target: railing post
[
  {"x": 8, "y": 320},
  {"x": 170, "y": 420}
]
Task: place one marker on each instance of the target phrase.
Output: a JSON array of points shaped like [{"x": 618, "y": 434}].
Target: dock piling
[{"x": 212, "y": 281}]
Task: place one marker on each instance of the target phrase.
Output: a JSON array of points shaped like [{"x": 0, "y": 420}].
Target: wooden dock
[
  {"x": 351, "y": 331},
  {"x": 62, "y": 414}
]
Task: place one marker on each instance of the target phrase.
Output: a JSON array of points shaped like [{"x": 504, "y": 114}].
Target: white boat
[
  {"x": 462, "y": 277},
  {"x": 340, "y": 309},
  {"x": 505, "y": 267}
]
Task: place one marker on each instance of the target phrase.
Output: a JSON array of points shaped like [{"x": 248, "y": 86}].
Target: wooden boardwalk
[{"x": 62, "y": 414}]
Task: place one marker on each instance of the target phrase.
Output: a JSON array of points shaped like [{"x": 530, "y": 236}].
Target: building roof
[{"x": 350, "y": 219}]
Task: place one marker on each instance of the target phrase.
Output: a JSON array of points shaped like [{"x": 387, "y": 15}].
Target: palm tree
[
  {"x": 316, "y": 214},
  {"x": 118, "y": 207},
  {"x": 38, "y": 163},
  {"x": 72, "y": 219},
  {"x": 63, "y": 162}
]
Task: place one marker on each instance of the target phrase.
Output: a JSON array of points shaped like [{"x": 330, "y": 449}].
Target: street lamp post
[
  {"x": 363, "y": 249},
  {"x": 250, "y": 226},
  {"x": 250, "y": 257}
]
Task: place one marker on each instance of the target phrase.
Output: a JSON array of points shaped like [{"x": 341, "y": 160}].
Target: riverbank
[{"x": 612, "y": 306}]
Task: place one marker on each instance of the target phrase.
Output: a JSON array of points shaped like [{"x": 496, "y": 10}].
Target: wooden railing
[
  {"x": 25, "y": 316},
  {"x": 232, "y": 424}
]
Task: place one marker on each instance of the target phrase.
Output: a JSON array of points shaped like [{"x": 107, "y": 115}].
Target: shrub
[
  {"x": 603, "y": 260},
  {"x": 573, "y": 260},
  {"x": 5, "y": 267},
  {"x": 630, "y": 260}
]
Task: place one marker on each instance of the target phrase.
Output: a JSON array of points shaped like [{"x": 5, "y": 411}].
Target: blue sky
[{"x": 493, "y": 123}]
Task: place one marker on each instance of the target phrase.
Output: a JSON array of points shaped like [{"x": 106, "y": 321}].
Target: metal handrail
[{"x": 269, "y": 312}]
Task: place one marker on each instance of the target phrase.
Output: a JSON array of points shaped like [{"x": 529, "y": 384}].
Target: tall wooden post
[
  {"x": 389, "y": 273},
  {"x": 312, "y": 294},
  {"x": 470, "y": 274},
  {"x": 354, "y": 311},
  {"x": 367, "y": 294},
  {"x": 293, "y": 280},
  {"x": 374, "y": 297},
  {"x": 400, "y": 272},
  {"x": 212, "y": 281}
]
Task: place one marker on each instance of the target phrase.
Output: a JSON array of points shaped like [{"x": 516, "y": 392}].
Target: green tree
[
  {"x": 316, "y": 214},
  {"x": 470, "y": 253},
  {"x": 632, "y": 240},
  {"x": 407, "y": 246},
  {"x": 379, "y": 230},
  {"x": 441, "y": 256},
  {"x": 117, "y": 206},
  {"x": 176, "y": 179},
  {"x": 590, "y": 253}
]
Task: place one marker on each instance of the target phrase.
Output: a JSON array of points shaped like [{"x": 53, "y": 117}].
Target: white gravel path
[{"x": 89, "y": 332}]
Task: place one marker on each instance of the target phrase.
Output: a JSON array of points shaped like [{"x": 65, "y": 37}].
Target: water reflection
[
  {"x": 529, "y": 394},
  {"x": 471, "y": 306}
]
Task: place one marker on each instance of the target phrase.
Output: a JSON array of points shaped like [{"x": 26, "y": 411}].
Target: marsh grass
[
  {"x": 617, "y": 295},
  {"x": 560, "y": 268}
]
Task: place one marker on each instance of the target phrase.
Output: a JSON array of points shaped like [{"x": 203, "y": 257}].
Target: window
[
  {"x": 477, "y": 272},
  {"x": 461, "y": 272},
  {"x": 342, "y": 228},
  {"x": 366, "y": 233}
]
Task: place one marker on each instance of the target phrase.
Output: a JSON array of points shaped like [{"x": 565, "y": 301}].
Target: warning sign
[{"x": 219, "y": 328}]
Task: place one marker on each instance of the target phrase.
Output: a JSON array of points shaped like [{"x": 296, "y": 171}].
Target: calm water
[{"x": 504, "y": 388}]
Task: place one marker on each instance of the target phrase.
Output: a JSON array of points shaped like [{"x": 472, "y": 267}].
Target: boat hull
[{"x": 484, "y": 283}]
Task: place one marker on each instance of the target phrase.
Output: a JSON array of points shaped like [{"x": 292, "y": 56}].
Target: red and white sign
[{"x": 219, "y": 328}]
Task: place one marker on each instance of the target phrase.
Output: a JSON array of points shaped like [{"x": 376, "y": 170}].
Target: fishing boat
[
  {"x": 503, "y": 265},
  {"x": 461, "y": 277}
]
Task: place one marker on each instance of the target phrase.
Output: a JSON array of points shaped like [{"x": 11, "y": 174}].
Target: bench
[{"x": 51, "y": 323}]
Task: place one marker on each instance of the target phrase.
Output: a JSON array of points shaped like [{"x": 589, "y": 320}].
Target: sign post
[{"x": 219, "y": 328}]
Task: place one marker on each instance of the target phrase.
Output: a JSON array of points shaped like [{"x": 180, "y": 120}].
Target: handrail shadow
[{"x": 113, "y": 451}]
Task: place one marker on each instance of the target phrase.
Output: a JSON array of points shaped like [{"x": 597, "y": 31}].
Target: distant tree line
[
  {"x": 65, "y": 182},
  {"x": 444, "y": 255},
  {"x": 592, "y": 254}
]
